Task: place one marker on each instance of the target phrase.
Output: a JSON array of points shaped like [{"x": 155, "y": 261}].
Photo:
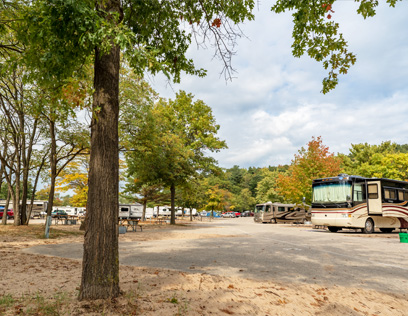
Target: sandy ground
[{"x": 33, "y": 283}]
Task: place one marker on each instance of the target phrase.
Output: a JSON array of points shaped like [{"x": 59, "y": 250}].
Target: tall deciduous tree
[
  {"x": 20, "y": 131},
  {"x": 171, "y": 141},
  {"x": 312, "y": 162},
  {"x": 61, "y": 36}
]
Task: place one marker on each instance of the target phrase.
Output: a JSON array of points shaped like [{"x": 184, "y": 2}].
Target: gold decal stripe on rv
[
  {"x": 405, "y": 203},
  {"x": 389, "y": 208},
  {"x": 339, "y": 210}
]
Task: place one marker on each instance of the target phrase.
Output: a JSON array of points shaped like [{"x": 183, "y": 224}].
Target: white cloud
[{"x": 274, "y": 106}]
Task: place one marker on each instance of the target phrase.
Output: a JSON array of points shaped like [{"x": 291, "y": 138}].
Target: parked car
[
  {"x": 59, "y": 214},
  {"x": 10, "y": 213},
  {"x": 237, "y": 214},
  {"x": 228, "y": 214},
  {"x": 247, "y": 214}
]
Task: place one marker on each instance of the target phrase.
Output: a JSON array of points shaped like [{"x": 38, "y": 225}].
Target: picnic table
[
  {"x": 157, "y": 220},
  {"x": 65, "y": 219},
  {"x": 130, "y": 223}
]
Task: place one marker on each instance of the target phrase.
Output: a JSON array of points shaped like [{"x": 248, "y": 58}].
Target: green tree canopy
[
  {"x": 266, "y": 189},
  {"x": 170, "y": 143},
  {"x": 363, "y": 156}
]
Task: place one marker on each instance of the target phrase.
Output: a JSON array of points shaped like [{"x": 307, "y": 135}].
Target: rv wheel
[
  {"x": 368, "y": 227},
  {"x": 273, "y": 221}
]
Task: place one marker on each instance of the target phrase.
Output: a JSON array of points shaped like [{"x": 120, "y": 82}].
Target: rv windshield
[
  {"x": 259, "y": 208},
  {"x": 333, "y": 192}
]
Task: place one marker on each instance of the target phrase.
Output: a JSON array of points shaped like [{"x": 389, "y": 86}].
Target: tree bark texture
[
  {"x": 53, "y": 165},
  {"x": 100, "y": 266},
  {"x": 25, "y": 167},
  {"x": 144, "y": 210},
  {"x": 16, "y": 193},
  {"x": 172, "y": 198}
]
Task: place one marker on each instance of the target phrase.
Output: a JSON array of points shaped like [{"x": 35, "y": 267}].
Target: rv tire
[
  {"x": 273, "y": 221},
  {"x": 333, "y": 229},
  {"x": 368, "y": 226}
]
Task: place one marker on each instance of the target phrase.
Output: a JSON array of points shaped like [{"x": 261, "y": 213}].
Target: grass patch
[
  {"x": 6, "y": 300},
  {"x": 34, "y": 305}
]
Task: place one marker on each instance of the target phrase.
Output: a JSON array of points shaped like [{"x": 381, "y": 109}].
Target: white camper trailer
[
  {"x": 71, "y": 210},
  {"x": 134, "y": 211}
]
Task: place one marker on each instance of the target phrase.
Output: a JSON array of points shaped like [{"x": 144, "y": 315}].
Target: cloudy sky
[{"x": 274, "y": 105}]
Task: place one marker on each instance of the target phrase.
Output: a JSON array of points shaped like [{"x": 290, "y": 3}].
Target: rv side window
[
  {"x": 389, "y": 194},
  {"x": 281, "y": 209},
  {"x": 372, "y": 191},
  {"x": 268, "y": 208},
  {"x": 400, "y": 195},
  {"x": 124, "y": 209},
  {"x": 405, "y": 195},
  {"x": 359, "y": 194}
]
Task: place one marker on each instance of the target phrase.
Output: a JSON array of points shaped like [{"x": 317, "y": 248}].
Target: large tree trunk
[
  {"x": 144, "y": 210},
  {"x": 16, "y": 194},
  {"x": 2, "y": 170},
  {"x": 25, "y": 170},
  {"x": 172, "y": 198},
  {"x": 100, "y": 265},
  {"x": 53, "y": 165}
]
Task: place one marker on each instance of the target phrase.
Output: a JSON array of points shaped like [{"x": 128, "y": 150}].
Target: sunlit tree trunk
[
  {"x": 144, "y": 210},
  {"x": 100, "y": 266},
  {"x": 172, "y": 198},
  {"x": 53, "y": 165}
]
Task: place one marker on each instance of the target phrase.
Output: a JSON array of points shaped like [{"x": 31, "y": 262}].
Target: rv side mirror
[{"x": 348, "y": 198}]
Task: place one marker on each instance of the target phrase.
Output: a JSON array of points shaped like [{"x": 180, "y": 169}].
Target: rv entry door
[{"x": 374, "y": 198}]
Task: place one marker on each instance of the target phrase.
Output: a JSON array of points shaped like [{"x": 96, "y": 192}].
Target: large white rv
[
  {"x": 356, "y": 202},
  {"x": 280, "y": 213}
]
